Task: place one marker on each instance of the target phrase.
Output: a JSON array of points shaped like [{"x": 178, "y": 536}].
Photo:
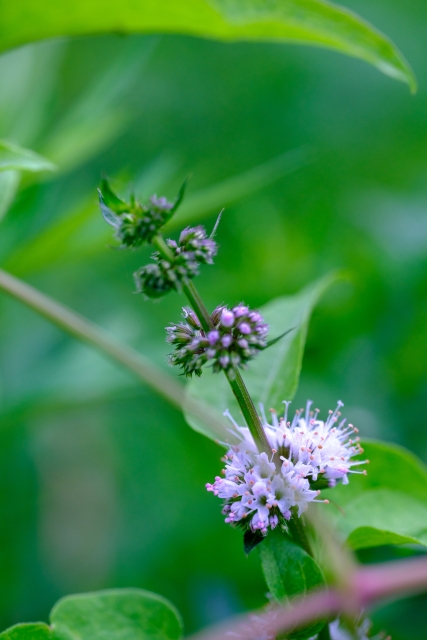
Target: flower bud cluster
[
  {"x": 161, "y": 276},
  {"x": 135, "y": 223},
  {"x": 259, "y": 493},
  {"x": 237, "y": 336},
  {"x": 194, "y": 247},
  {"x": 142, "y": 222}
]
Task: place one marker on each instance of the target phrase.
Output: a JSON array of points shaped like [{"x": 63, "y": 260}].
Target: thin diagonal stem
[
  {"x": 86, "y": 331},
  {"x": 367, "y": 586}
]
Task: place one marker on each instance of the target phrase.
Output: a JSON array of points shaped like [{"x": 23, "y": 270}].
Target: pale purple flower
[{"x": 262, "y": 492}]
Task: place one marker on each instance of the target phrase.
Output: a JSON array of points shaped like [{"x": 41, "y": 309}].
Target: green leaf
[
  {"x": 389, "y": 505},
  {"x": 117, "y": 614},
  {"x": 100, "y": 113},
  {"x": 289, "y": 571},
  {"x": 14, "y": 157},
  {"x": 314, "y": 22},
  {"x": 28, "y": 631},
  {"x": 9, "y": 183},
  {"x": 122, "y": 614},
  {"x": 273, "y": 376}
]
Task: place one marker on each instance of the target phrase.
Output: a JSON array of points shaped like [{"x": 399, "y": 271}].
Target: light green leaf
[
  {"x": 314, "y": 22},
  {"x": 289, "y": 571},
  {"x": 273, "y": 376},
  {"x": 28, "y": 631},
  {"x": 9, "y": 183},
  {"x": 117, "y": 614},
  {"x": 389, "y": 505},
  {"x": 14, "y": 157}
]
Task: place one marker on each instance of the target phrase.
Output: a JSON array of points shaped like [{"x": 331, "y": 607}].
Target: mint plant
[{"x": 274, "y": 468}]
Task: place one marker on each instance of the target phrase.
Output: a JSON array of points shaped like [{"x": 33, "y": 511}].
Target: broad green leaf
[
  {"x": 289, "y": 571},
  {"x": 314, "y": 22},
  {"x": 119, "y": 614},
  {"x": 389, "y": 505},
  {"x": 273, "y": 376},
  {"x": 13, "y": 157},
  {"x": 28, "y": 631}
]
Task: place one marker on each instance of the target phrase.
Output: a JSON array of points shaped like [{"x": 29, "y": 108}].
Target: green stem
[
  {"x": 249, "y": 412},
  {"x": 159, "y": 242},
  {"x": 236, "y": 381},
  {"x": 298, "y": 532},
  {"x": 188, "y": 288},
  {"x": 198, "y": 306}
]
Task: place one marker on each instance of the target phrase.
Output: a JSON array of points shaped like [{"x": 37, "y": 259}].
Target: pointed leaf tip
[{"x": 180, "y": 197}]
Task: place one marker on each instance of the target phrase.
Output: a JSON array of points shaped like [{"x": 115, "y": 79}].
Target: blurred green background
[{"x": 102, "y": 483}]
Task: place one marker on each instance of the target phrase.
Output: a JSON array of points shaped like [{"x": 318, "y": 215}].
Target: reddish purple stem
[{"x": 368, "y": 586}]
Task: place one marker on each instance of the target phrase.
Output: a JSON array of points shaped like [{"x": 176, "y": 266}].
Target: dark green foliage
[{"x": 289, "y": 572}]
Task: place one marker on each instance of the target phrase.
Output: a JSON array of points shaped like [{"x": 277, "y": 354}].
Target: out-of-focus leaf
[
  {"x": 119, "y": 614},
  {"x": 389, "y": 505},
  {"x": 9, "y": 183},
  {"x": 274, "y": 376},
  {"x": 99, "y": 115},
  {"x": 289, "y": 571},
  {"x": 225, "y": 193},
  {"x": 315, "y": 22},
  {"x": 16, "y": 158},
  {"x": 28, "y": 631}
]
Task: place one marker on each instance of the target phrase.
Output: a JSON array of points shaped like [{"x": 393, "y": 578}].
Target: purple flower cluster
[
  {"x": 161, "y": 276},
  {"x": 237, "y": 336},
  {"x": 307, "y": 454}
]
